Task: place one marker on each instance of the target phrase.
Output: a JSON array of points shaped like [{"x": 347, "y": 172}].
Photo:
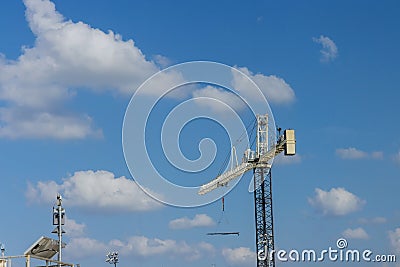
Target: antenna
[
  {"x": 2, "y": 248},
  {"x": 59, "y": 220},
  {"x": 3, "y": 260}
]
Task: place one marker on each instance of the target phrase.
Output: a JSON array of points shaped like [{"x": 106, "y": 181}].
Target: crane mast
[
  {"x": 260, "y": 162},
  {"x": 263, "y": 196}
]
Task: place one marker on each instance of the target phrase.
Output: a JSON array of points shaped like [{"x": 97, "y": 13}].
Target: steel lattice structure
[
  {"x": 260, "y": 162},
  {"x": 263, "y": 196},
  {"x": 264, "y": 216}
]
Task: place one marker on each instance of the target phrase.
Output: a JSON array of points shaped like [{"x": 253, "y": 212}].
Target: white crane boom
[
  {"x": 224, "y": 178},
  {"x": 285, "y": 143},
  {"x": 279, "y": 147}
]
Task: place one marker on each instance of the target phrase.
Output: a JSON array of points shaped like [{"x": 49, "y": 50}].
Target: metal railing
[{"x": 8, "y": 261}]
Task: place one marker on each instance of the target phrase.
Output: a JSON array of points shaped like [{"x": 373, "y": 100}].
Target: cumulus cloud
[
  {"x": 394, "y": 237},
  {"x": 199, "y": 220},
  {"x": 329, "y": 49},
  {"x": 79, "y": 246},
  {"x": 357, "y": 233},
  {"x": 145, "y": 247},
  {"x": 336, "y": 202},
  {"x": 275, "y": 89},
  {"x": 20, "y": 123},
  {"x": 83, "y": 247},
  {"x": 241, "y": 256},
  {"x": 374, "y": 220},
  {"x": 74, "y": 229},
  {"x": 162, "y": 61},
  {"x": 66, "y": 57},
  {"x": 376, "y": 155},
  {"x": 350, "y": 153},
  {"x": 354, "y": 153},
  {"x": 286, "y": 160},
  {"x": 78, "y": 55},
  {"x": 223, "y": 99},
  {"x": 396, "y": 158},
  {"x": 99, "y": 190}
]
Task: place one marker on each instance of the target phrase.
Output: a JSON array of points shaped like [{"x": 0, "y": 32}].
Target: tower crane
[{"x": 260, "y": 162}]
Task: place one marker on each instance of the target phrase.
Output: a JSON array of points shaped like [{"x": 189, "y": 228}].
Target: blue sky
[{"x": 68, "y": 70}]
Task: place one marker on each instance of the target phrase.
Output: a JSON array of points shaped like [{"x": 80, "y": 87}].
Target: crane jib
[{"x": 223, "y": 179}]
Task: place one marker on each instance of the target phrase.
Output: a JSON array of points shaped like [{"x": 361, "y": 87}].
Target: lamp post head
[
  {"x": 59, "y": 200},
  {"x": 112, "y": 258}
]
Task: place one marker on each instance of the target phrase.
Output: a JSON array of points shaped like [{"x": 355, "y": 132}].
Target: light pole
[
  {"x": 3, "y": 261},
  {"x": 59, "y": 220},
  {"x": 112, "y": 258},
  {"x": 2, "y": 249}
]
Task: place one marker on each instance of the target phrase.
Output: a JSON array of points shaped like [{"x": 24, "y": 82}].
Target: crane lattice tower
[{"x": 259, "y": 162}]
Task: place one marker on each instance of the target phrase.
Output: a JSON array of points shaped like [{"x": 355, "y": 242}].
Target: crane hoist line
[{"x": 259, "y": 161}]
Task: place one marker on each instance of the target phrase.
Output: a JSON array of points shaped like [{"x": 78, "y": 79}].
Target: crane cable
[
  {"x": 223, "y": 215},
  {"x": 220, "y": 233},
  {"x": 239, "y": 140}
]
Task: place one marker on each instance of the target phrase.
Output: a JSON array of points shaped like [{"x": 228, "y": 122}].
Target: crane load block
[{"x": 290, "y": 147}]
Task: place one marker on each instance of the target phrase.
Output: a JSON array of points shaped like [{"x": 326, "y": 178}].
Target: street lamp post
[
  {"x": 112, "y": 258},
  {"x": 3, "y": 261},
  {"x": 2, "y": 248},
  {"x": 59, "y": 220}
]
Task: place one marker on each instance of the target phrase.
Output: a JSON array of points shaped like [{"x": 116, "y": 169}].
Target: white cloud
[
  {"x": 376, "y": 155},
  {"x": 275, "y": 89},
  {"x": 66, "y": 57},
  {"x": 141, "y": 247},
  {"x": 396, "y": 158},
  {"x": 144, "y": 247},
  {"x": 138, "y": 247},
  {"x": 357, "y": 233},
  {"x": 99, "y": 190},
  {"x": 199, "y": 220},
  {"x": 375, "y": 220},
  {"x": 75, "y": 54},
  {"x": 162, "y": 61},
  {"x": 207, "y": 247},
  {"x": 285, "y": 160},
  {"x": 38, "y": 124},
  {"x": 379, "y": 220},
  {"x": 74, "y": 229},
  {"x": 203, "y": 98},
  {"x": 83, "y": 247},
  {"x": 335, "y": 202},
  {"x": 350, "y": 153},
  {"x": 354, "y": 153},
  {"x": 329, "y": 49},
  {"x": 239, "y": 256},
  {"x": 394, "y": 237},
  {"x": 147, "y": 247},
  {"x": 70, "y": 56}
]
